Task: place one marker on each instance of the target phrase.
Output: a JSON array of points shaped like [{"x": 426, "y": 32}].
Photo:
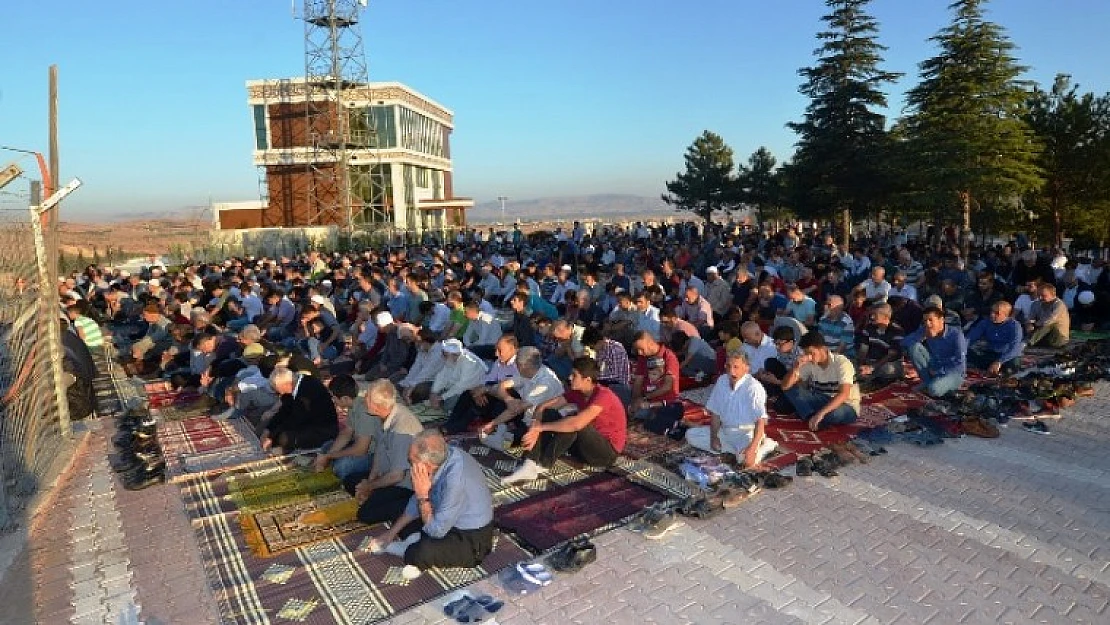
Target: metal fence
[{"x": 34, "y": 416}]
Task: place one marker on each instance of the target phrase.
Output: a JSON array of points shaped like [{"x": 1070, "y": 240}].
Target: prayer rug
[
  {"x": 795, "y": 438},
  {"x": 564, "y": 512},
  {"x": 427, "y": 414},
  {"x": 336, "y": 580},
  {"x": 176, "y": 412},
  {"x": 175, "y": 397},
  {"x": 280, "y": 489},
  {"x": 201, "y": 443},
  {"x": 644, "y": 445},
  {"x": 1078, "y": 335},
  {"x": 496, "y": 464}
]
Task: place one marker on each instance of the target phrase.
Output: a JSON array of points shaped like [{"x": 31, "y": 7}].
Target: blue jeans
[
  {"x": 935, "y": 385},
  {"x": 806, "y": 403},
  {"x": 348, "y": 465}
]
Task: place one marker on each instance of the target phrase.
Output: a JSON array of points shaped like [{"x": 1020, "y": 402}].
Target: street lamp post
[{"x": 502, "y": 199}]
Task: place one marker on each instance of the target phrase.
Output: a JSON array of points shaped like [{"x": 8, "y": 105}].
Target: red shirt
[
  {"x": 670, "y": 367},
  {"x": 611, "y": 422}
]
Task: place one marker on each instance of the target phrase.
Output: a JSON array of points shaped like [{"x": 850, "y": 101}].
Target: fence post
[{"x": 47, "y": 305}]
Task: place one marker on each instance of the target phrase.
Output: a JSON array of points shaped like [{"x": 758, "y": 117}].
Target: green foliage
[
  {"x": 969, "y": 139},
  {"x": 841, "y": 139},
  {"x": 760, "y": 186},
  {"x": 1074, "y": 132},
  {"x": 707, "y": 185}
]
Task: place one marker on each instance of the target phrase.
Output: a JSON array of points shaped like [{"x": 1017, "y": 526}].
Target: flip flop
[
  {"x": 535, "y": 573},
  {"x": 473, "y": 613},
  {"x": 490, "y": 603}
]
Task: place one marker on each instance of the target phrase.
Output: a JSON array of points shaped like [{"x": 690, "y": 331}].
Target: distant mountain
[{"x": 570, "y": 207}]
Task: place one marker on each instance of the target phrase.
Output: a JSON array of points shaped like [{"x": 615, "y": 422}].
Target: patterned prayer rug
[
  {"x": 498, "y": 463},
  {"x": 795, "y": 438},
  {"x": 427, "y": 414},
  {"x": 644, "y": 445},
  {"x": 336, "y": 580},
  {"x": 560, "y": 514},
  {"x": 201, "y": 443},
  {"x": 176, "y": 412}
]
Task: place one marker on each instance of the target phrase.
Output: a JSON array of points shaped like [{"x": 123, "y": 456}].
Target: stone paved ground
[{"x": 1013, "y": 530}]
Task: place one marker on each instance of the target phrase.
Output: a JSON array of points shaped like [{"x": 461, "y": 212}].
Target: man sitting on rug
[
  {"x": 306, "y": 417},
  {"x": 349, "y": 453},
  {"x": 938, "y": 352},
  {"x": 654, "y": 400},
  {"x": 521, "y": 395},
  {"x": 738, "y": 415},
  {"x": 1049, "y": 322},
  {"x": 385, "y": 492},
  {"x": 994, "y": 345},
  {"x": 588, "y": 421},
  {"x": 880, "y": 348},
  {"x": 483, "y": 402},
  {"x": 461, "y": 371},
  {"x": 449, "y": 519},
  {"x": 822, "y": 386}
]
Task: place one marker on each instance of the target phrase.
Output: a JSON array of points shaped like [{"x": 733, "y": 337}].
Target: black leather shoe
[
  {"x": 145, "y": 476},
  {"x": 126, "y": 461}
]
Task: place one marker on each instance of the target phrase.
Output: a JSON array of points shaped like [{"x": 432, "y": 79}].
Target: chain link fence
[{"x": 34, "y": 416}]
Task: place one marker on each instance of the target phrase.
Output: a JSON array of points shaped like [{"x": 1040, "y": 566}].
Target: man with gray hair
[
  {"x": 385, "y": 492},
  {"x": 738, "y": 415},
  {"x": 306, "y": 417},
  {"x": 449, "y": 518},
  {"x": 536, "y": 384}
]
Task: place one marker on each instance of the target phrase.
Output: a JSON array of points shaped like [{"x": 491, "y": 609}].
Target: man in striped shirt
[{"x": 86, "y": 328}]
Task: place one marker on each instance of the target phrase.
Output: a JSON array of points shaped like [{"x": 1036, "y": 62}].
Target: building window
[
  {"x": 422, "y": 177},
  {"x": 261, "y": 139},
  {"x": 421, "y": 134},
  {"x": 374, "y": 127}
]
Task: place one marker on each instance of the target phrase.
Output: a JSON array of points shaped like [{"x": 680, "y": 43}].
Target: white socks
[{"x": 526, "y": 473}]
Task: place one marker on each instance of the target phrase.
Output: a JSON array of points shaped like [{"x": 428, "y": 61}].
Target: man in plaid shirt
[{"x": 612, "y": 359}]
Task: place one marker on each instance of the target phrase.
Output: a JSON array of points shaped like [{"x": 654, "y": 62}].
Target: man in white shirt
[
  {"x": 535, "y": 385},
  {"x": 738, "y": 415},
  {"x": 461, "y": 371},
  {"x": 757, "y": 345},
  {"x": 718, "y": 292},
  {"x": 876, "y": 287},
  {"x": 484, "y": 401},
  {"x": 482, "y": 331},
  {"x": 416, "y": 385}
]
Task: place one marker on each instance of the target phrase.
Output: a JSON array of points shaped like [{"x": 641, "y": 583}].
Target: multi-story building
[{"x": 410, "y": 159}]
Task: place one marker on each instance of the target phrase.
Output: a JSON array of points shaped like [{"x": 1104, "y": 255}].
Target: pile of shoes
[
  {"x": 139, "y": 460},
  {"x": 573, "y": 556},
  {"x": 824, "y": 462}
]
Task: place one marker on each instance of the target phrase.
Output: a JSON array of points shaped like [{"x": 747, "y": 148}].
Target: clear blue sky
[{"x": 550, "y": 98}]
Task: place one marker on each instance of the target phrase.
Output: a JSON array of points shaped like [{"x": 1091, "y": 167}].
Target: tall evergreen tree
[
  {"x": 707, "y": 185},
  {"x": 840, "y": 144},
  {"x": 965, "y": 121},
  {"x": 1074, "y": 131},
  {"x": 759, "y": 183}
]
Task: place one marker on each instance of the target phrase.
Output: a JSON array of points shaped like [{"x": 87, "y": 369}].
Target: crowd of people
[{"x": 560, "y": 343}]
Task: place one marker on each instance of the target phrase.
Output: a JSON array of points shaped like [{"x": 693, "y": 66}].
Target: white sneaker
[
  {"x": 526, "y": 473},
  {"x": 410, "y": 572},
  {"x": 399, "y": 547}
]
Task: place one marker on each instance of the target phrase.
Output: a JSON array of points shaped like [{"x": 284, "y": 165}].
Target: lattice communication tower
[{"x": 346, "y": 178}]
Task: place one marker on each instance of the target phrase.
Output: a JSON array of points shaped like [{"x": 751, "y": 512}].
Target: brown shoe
[
  {"x": 980, "y": 427},
  {"x": 841, "y": 451},
  {"x": 733, "y": 497},
  {"x": 855, "y": 451}
]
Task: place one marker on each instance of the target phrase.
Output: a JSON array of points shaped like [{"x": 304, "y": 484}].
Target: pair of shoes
[
  {"x": 804, "y": 466},
  {"x": 772, "y": 479},
  {"x": 128, "y": 461},
  {"x": 699, "y": 507},
  {"x": 573, "y": 556},
  {"x": 869, "y": 448},
  {"x": 849, "y": 453},
  {"x": 825, "y": 463},
  {"x": 468, "y": 609},
  {"x": 529, "y": 471},
  {"x": 146, "y": 475},
  {"x": 729, "y": 497},
  {"x": 980, "y": 427},
  {"x": 648, "y": 517},
  {"x": 1036, "y": 427},
  {"x": 663, "y": 524}
]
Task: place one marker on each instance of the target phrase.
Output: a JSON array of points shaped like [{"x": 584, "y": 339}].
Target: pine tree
[
  {"x": 1074, "y": 132},
  {"x": 760, "y": 186},
  {"x": 965, "y": 122},
  {"x": 708, "y": 185},
  {"x": 836, "y": 167}
]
